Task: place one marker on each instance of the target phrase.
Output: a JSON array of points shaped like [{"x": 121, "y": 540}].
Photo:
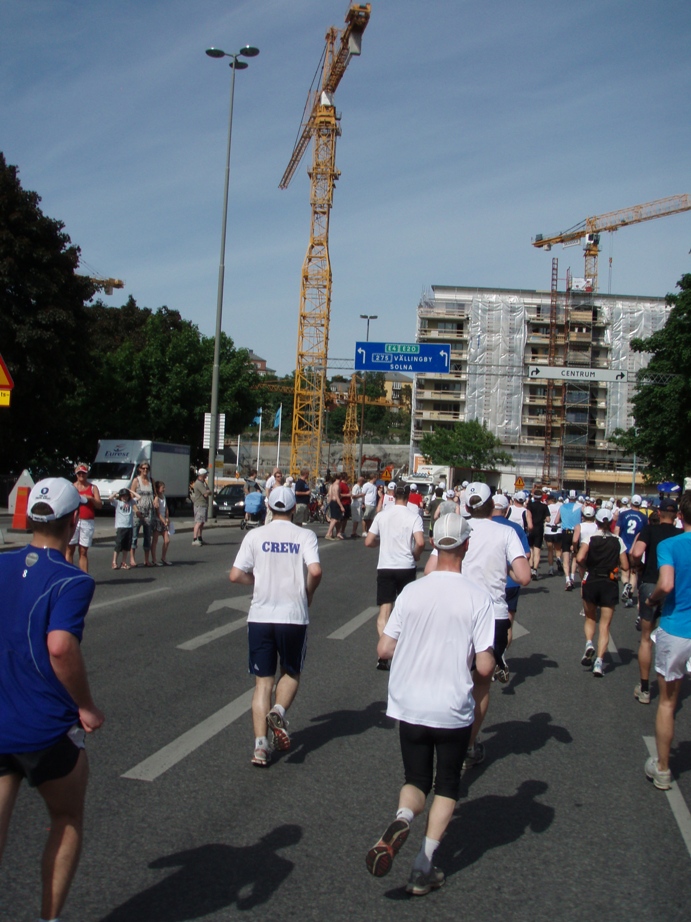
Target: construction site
[{"x": 550, "y": 373}]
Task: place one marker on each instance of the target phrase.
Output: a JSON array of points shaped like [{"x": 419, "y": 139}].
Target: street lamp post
[
  {"x": 248, "y": 52},
  {"x": 366, "y": 317}
]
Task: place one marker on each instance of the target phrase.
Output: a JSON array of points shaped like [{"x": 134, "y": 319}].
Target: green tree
[
  {"x": 662, "y": 402},
  {"x": 151, "y": 379},
  {"x": 468, "y": 444},
  {"x": 43, "y": 329}
]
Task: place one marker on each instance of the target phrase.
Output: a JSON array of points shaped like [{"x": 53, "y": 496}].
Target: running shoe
[
  {"x": 568, "y": 586},
  {"x": 643, "y": 696},
  {"x": 628, "y": 603},
  {"x": 384, "y": 665},
  {"x": 550, "y": 572},
  {"x": 474, "y": 756},
  {"x": 560, "y": 565},
  {"x": 598, "y": 668},
  {"x": 380, "y": 857},
  {"x": 277, "y": 725},
  {"x": 638, "y": 623},
  {"x": 261, "y": 757},
  {"x": 421, "y": 882},
  {"x": 588, "y": 654},
  {"x": 533, "y": 574},
  {"x": 661, "y": 780},
  {"x": 627, "y": 592},
  {"x": 197, "y": 542},
  {"x": 501, "y": 672}
]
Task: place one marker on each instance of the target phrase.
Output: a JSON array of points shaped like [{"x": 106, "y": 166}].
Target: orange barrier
[{"x": 19, "y": 519}]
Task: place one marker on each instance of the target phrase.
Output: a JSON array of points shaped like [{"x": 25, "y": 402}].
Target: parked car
[{"x": 230, "y": 500}]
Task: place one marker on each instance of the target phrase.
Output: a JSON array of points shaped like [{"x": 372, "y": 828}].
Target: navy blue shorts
[
  {"x": 270, "y": 644},
  {"x": 511, "y": 594}
]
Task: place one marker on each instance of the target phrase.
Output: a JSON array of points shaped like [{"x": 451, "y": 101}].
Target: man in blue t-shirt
[
  {"x": 629, "y": 525},
  {"x": 673, "y": 640},
  {"x": 569, "y": 516},
  {"x": 45, "y": 701}
]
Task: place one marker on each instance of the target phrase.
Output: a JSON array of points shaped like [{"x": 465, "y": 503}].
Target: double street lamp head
[{"x": 249, "y": 51}]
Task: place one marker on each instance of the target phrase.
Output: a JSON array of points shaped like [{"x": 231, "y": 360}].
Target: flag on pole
[
  {"x": 277, "y": 417},
  {"x": 258, "y": 418}
]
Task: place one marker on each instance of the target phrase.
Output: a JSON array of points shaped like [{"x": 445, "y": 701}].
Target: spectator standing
[
  {"x": 370, "y": 498},
  {"x": 46, "y": 705},
  {"x": 200, "y": 505},
  {"x": 346, "y": 502},
  {"x": 273, "y": 560},
  {"x": 143, "y": 512},
  {"x": 357, "y": 505},
  {"x": 334, "y": 509},
  {"x": 124, "y": 524},
  {"x": 84, "y": 532},
  {"x": 161, "y": 525}
]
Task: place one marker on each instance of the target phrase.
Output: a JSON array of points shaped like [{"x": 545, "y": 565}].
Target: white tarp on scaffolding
[
  {"x": 496, "y": 344},
  {"x": 627, "y": 320}
]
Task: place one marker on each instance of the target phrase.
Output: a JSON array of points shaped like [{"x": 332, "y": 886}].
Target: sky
[{"x": 467, "y": 128}]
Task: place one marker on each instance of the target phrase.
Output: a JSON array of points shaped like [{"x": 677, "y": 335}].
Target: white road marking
[
  {"x": 210, "y": 636},
  {"x": 175, "y": 752},
  {"x": 239, "y": 603},
  {"x": 675, "y": 799},
  {"x": 613, "y": 652},
  {"x": 519, "y": 630},
  {"x": 129, "y": 598},
  {"x": 354, "y": 624}
]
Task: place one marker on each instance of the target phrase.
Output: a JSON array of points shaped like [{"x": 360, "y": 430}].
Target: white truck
[{"x": 117, "y": 461}]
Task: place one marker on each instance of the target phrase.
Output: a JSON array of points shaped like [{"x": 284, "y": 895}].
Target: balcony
[
  {"x": 441, "y": 415},
  {"x": 429, "y": 394},
  {"x": 444, "y": 335},
  {"x": 445, "y": 310}
]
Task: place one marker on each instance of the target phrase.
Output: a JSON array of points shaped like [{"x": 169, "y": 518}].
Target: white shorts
[
  {"x": 370, "y": 512},
  {"x": 672, "y": 655},
  {"x": 356, "y": 512},
  {"x": 84, "y": 533}
]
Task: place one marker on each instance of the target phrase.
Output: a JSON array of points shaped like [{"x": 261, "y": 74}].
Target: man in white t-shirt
[
  {"x": 370, "y": 500},
  {"x": 493, "y": 553},
  {"x": 273, "y": 560},
  {"x": 399, "y": 533},
  {"x": 357, "y": 504},
  {"x": 439, "y": 625}
]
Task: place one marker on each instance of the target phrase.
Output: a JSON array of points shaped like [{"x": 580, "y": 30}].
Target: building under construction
[{"x": 556, "y": 429}]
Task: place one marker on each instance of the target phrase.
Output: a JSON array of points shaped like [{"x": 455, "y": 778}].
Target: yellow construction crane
[
  {"x": 321, "y": 125},
  {"x": 591, "y": 228},
  {"x": 351, "y": 429}
]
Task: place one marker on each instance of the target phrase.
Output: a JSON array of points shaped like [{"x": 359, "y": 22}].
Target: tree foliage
[
  {"x": 661, "y": 404},
  {"x": 84, "y": 372},
  {"x": 469, "y": 445}
]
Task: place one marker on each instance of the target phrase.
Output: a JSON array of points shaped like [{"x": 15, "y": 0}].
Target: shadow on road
[
  {"x": 327, "y": 727},
  {"x": 489, "y": 822},
  {"x": 527, "y": 667},
  {"x": 211, "y": 878}
]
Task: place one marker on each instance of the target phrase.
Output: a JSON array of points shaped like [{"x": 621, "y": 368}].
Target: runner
[{"x": 438, "y": 625}]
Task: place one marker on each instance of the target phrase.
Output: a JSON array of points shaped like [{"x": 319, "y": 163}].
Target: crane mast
[
  {"x": 320, "y": 126},
  {"x": 591, "y": 228}
]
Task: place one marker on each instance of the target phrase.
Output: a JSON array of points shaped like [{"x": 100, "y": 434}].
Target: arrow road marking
[
  {"x": 239, "y": 603},
  {"x": 519, "y": 631}
]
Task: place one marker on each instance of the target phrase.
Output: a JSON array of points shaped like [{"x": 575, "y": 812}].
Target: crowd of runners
[{"x": 441, "y": 636}]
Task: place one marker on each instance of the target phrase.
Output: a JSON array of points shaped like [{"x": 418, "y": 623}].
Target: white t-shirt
[
  {"x": 277, "y": 553},
  {"x": 440, "y": 621},
  {"x": 518, "y": 516},
  {"x": 357, "y": 494},
  {"x": 370, "y": 493},
  {"x": 553, "y": 510},
  {"x": 491, "y": 550},
  {"x": 388, "y": 501},
  {"x": 588, "y": 529},
  {"x": 396, "y": 530}
]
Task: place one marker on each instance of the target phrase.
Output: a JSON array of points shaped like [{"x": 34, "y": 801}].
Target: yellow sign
[
  {"x": 519, "y": 483},
  {"x": 4, "y": 397},
  {"x": 6, "y": 381}
]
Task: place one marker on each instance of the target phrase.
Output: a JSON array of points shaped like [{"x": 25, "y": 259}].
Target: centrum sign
[
  {"x": 411, "y": 357},
  {"x": 559, "y": 373}
]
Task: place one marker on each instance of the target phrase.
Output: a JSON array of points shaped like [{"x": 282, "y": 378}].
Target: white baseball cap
[
  {"x": 61, "y": 495},
  {"x": 450, "y": 531},
  {"x": 588, "y": 512},
  {"x": 202, "y": 470},
  {"x": 413, "y": 488},
  {"x": 480, "y": 490},
  {"x": 391, "y": 485},
  {"x": 500, "y": 501},
  {"x": 281, "y": 499},
  {"x": 603, "y": 515},
  {"x": 450, "y": 494},
  {"x": 636, "y": 500}
]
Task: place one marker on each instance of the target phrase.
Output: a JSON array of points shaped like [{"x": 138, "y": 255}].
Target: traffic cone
[{"x": 20, "y": 519}]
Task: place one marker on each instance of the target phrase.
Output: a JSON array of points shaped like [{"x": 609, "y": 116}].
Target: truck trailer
[{"x": 117, "y": 461}]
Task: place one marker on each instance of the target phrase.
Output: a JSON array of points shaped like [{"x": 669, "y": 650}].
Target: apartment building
[{"x": 556, "y": 430}]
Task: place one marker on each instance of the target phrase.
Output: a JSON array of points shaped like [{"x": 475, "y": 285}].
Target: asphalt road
[{"x": 559, "y": 822}]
